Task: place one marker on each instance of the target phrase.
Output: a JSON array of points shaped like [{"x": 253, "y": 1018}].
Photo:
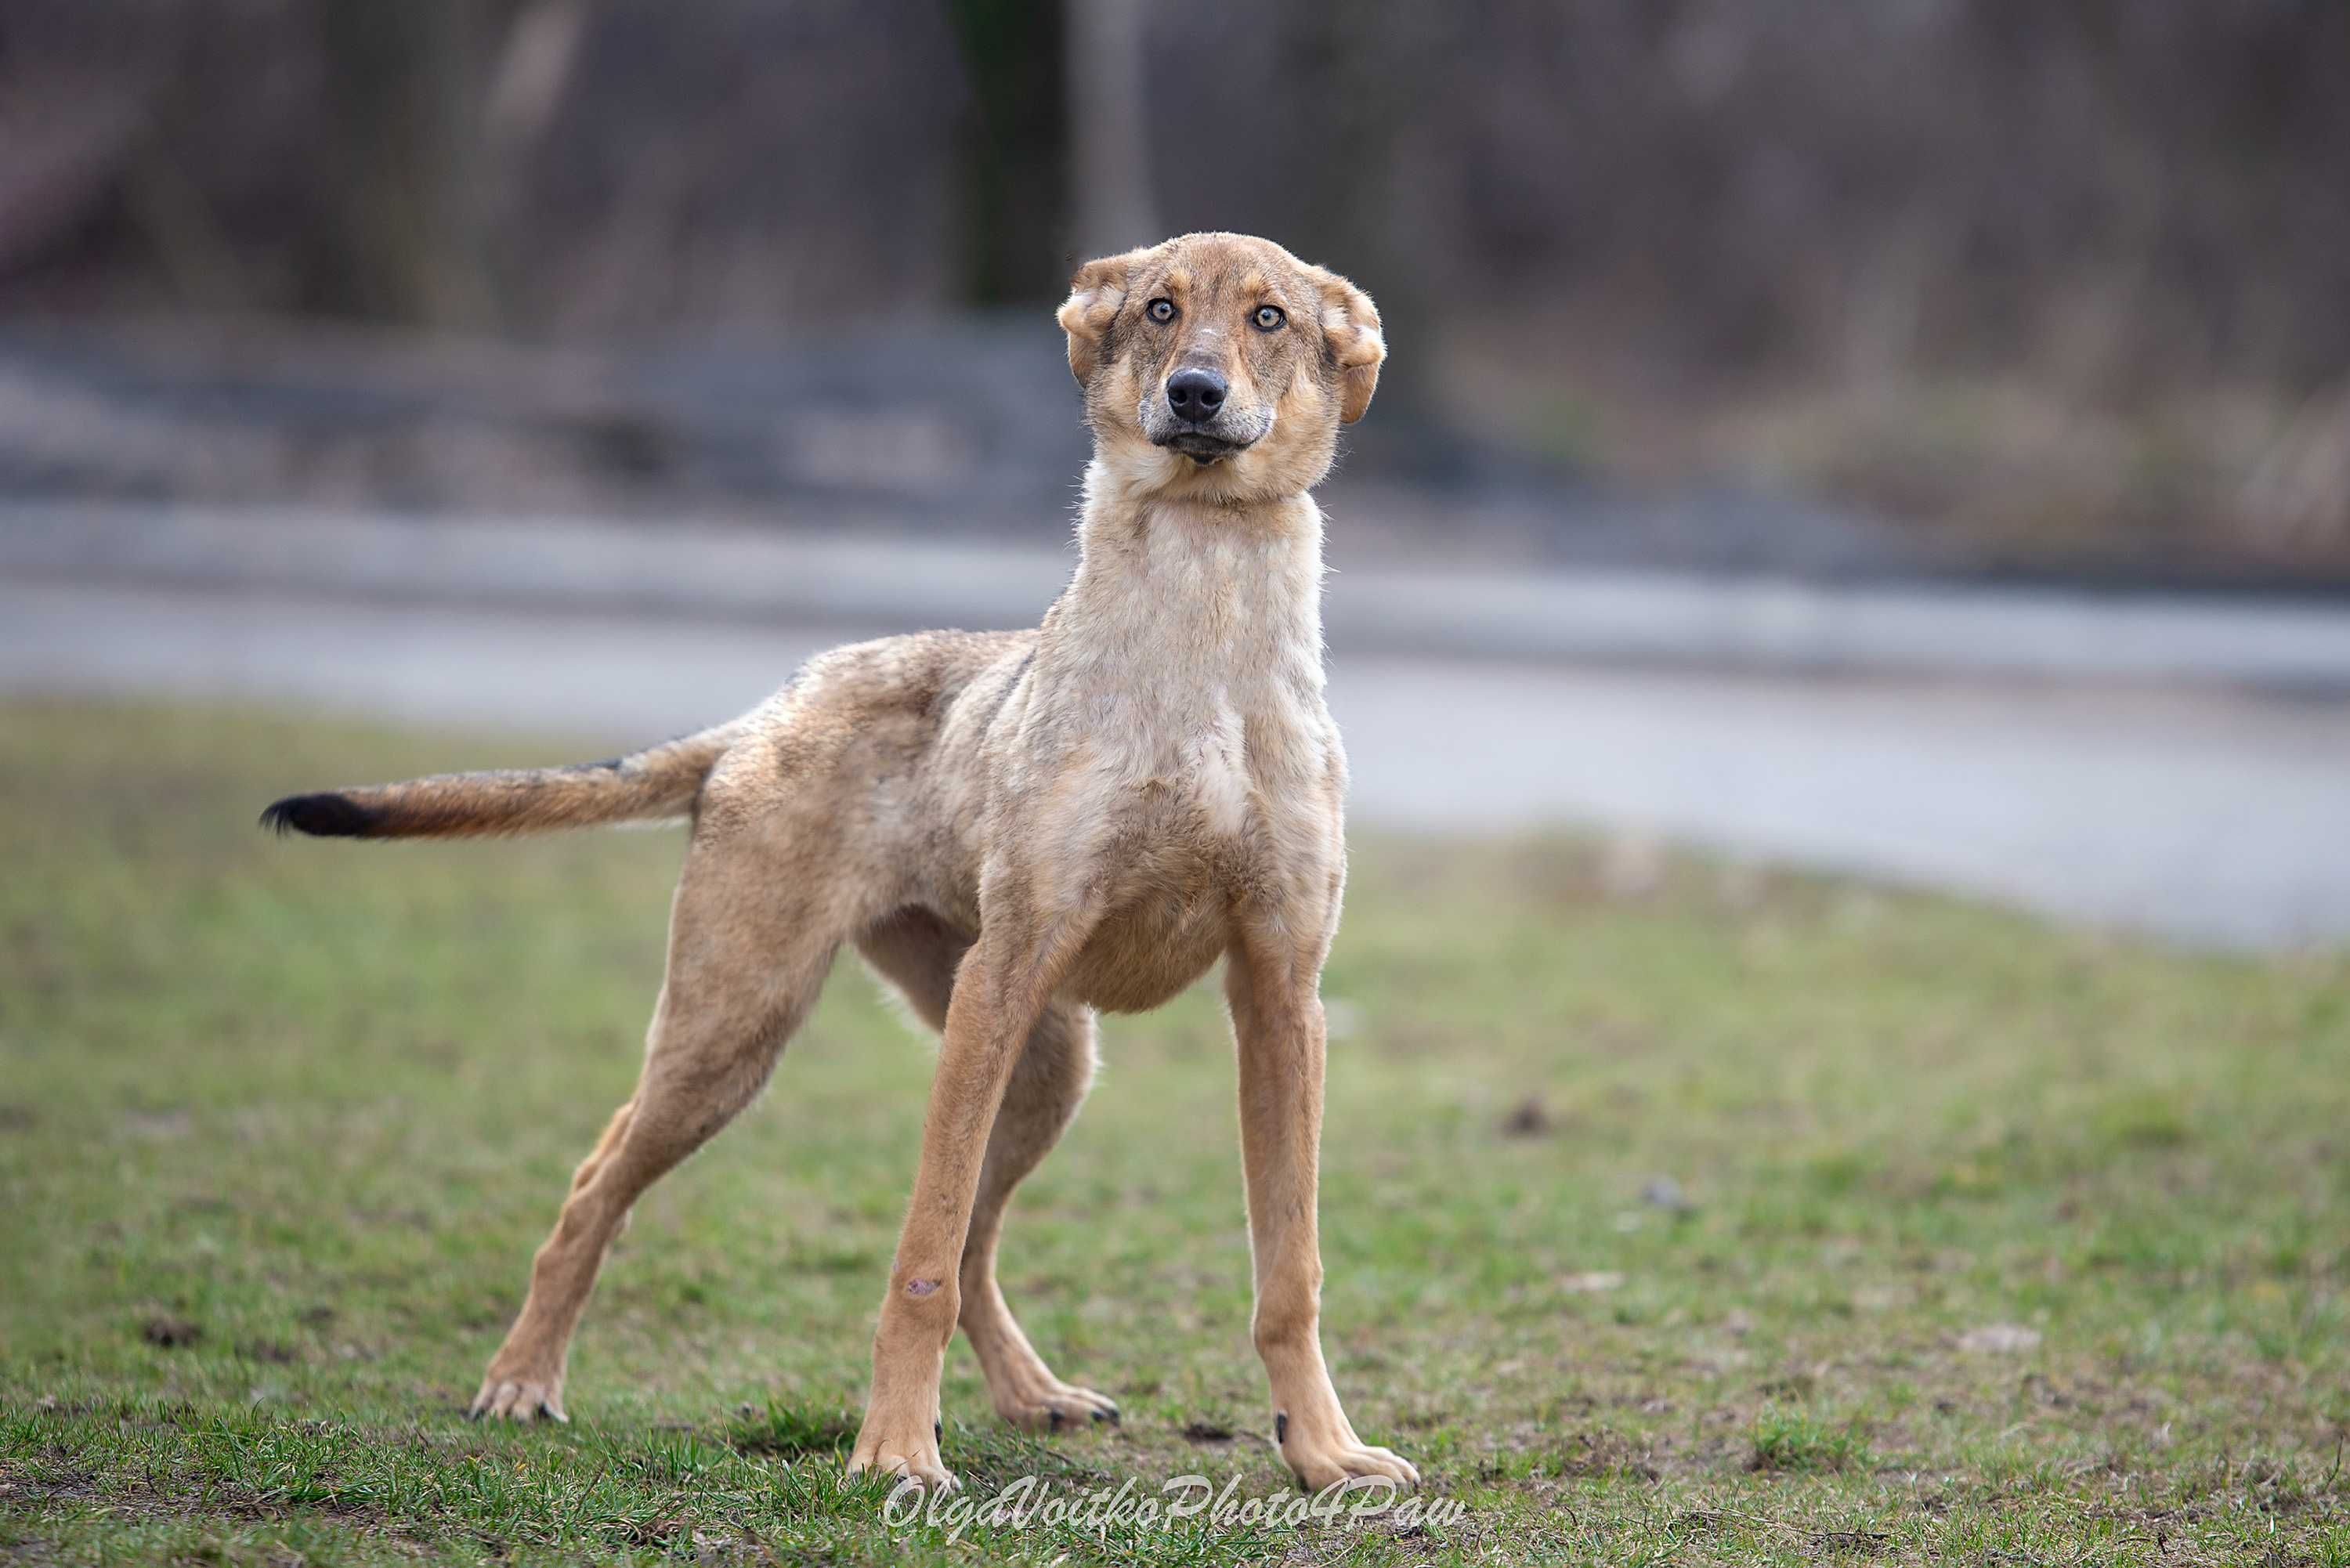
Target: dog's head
[{"x": 1219, "y": 367}]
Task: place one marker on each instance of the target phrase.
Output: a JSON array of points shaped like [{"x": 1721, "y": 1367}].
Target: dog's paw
[
  {"x": 1325, "y": 1459},
  {"x": 518, "y": 1397},
  {"x": 1053, "y": 1406},
  {"x": 882, "y": 1450}
]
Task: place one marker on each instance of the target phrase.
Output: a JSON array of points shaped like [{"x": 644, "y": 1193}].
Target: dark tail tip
[{"x": 322, "y": 816}]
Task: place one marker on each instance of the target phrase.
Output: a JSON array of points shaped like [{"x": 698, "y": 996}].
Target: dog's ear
[
  {"x": 1350, "y": 328},
  {"x": 1095, "y": 295}
]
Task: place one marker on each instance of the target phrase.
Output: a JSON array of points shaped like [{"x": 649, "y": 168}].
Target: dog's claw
[
  {"x": 876, "y": 1454},
  {"x": 517, "y": 1399},
  {"x": 1054, "y": 1406},
  {"x": 1346, "y": 1459}
]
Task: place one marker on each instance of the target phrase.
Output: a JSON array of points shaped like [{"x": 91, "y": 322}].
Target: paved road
[
  {"x": 2213, "y": 818},
  {"x": 894, "y": 579}
]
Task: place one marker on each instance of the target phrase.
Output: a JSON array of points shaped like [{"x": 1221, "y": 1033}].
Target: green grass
[{"x": 2000, "y": 1244}]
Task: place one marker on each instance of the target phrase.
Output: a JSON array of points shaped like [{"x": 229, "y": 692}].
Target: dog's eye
[
  {"x": 1270, "y": 318},
  {"x": 1161, "y": 310}
]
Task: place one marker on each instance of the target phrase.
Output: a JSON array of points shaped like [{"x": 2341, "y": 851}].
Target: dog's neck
[{"x": 1191, "y": 591}]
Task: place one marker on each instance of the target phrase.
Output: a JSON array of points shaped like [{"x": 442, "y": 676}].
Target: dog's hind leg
[
  {"x": 748, "y": 955},
  {"x": 919, "y": 953}
]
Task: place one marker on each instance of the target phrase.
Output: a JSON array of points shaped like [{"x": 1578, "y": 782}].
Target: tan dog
[{"x": 1017, "y": 828}]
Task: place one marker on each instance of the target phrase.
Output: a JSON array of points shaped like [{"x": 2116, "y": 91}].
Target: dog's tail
[{"x": 660, "y": 782}]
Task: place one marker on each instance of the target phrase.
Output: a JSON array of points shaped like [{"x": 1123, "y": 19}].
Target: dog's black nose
[{"x": 1195, "y": 395}]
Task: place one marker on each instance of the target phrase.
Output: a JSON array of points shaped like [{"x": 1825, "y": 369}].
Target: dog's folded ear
[
  {"x": 1350, "y": 329},
  {"x": 1095, "y": 295}
]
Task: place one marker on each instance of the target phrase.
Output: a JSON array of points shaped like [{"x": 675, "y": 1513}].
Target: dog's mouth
[{"x": 1202, "y": 448}]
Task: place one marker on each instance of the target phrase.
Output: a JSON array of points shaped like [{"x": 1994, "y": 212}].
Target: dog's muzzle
[{"x": 1192, "y": 416}]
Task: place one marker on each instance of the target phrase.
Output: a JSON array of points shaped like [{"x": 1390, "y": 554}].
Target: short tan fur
[{"x": 1017, "y": 829}]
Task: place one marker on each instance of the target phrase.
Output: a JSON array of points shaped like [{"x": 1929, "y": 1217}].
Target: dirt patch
[
  {"x": 170, "y": 1331},
  {"x": 1604, "y": 1453},
  {"x": 1530, "y": 1119}
]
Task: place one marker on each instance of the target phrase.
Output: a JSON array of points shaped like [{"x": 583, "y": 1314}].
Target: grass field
[{"x": 1707, "y": 1217}]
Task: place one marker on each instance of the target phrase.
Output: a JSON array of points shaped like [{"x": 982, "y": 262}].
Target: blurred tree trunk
[
  {"x": 1109, "y": 150},
  {"x": 79, "y": 90},
  {"x": 405, "y": 204},
  {"x": 1013, "y": 207}
]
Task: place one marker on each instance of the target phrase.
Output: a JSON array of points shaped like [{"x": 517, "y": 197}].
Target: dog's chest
[
  {"x": 1193, "y": 770},
  {"x": 1223, "y": 811},
  {"x": 1178, "y": 717}
]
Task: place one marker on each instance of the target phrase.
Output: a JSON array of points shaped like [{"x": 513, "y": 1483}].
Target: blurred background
[{"x": 1910, "y": 439}]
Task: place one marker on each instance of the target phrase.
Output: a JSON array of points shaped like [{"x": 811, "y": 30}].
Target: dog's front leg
[
  {"x": 1274, "y": 984},
  {"x": 999, "y": 994}
]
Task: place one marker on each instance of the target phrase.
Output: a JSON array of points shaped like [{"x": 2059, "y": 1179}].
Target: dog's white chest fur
[
  {"x": 1187, "y": 660},
  {"x": 1215, "y": 770},
  {"x": 1180, "y": 746}
]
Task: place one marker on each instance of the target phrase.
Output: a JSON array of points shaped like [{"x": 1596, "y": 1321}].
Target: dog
[{"x": 1019, "y": 829}]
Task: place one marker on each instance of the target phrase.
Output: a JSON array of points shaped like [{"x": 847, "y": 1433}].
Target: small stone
[
  {"x": 1664, "y": 1192},
  {"x": 2001, "y": 1339},
  {"x": 1529, "y": 1120},
  {"x": 1591, "y": 1282}
]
